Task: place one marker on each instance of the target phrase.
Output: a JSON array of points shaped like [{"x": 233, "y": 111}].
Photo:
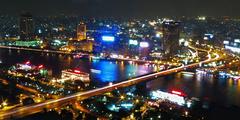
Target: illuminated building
[
  {"x": 234, "y": 46},
  {"x": 27, "y": 70},
  {"x": 74, "y": 75},
  {"x": 144, "y": 49},
  {"x": 32, "y": 43},
  {"x": 26, "y": 27},
  {"x": 175, "y": 96},
  {"x": 81, "y": 32},
  {"x": 107, "y": 44},
  {"x": 84, "y": 45},
  {"x": 67, "y": 48},
  {"x": 133, "y": 47},
  {"x": 87, "y": 46},
  {"x": 156, "y": 46},
  {"x": 171, "y": 32}
]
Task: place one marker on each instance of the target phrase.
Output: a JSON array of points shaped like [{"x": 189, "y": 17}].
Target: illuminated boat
[{"x": 74, "y": 74}]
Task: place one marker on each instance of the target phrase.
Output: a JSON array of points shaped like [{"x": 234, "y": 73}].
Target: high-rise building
[
  {"x": 81, "y": 32},
  {"x": 26, "y": 27},
  {"x": 170, "y": 41}
]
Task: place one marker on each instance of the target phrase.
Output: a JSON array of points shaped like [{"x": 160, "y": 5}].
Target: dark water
[
  {"x": 107, "y": 71},
  {"x": 222, "y": 91}
]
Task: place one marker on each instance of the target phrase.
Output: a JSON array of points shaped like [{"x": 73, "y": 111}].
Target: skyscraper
[
  {"x": 26, "y": 27},
  {"x": 81, "y": 31},
  {"x": 170, "y": 41}
]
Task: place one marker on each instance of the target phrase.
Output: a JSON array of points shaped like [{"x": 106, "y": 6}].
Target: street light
[
  {"x": 122, "y": 97},
  {"x": 137, "y": 101},
  {"x": 4, "y": 103}
]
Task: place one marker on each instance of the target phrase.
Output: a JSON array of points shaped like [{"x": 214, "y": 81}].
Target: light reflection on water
[
  {"x": 117, "y": 71},
  {"x": 223, "y": 91},
  {"x": 204, "y": 86},
  {"x": 111, "y": 71}
]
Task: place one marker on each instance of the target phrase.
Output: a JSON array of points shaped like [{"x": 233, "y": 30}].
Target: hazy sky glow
[{"x": 124, "y": 7}]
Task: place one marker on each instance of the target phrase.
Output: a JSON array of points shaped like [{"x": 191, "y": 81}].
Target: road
[
  {"x": 197, "y": 49},
  {"x": 5, "y": 82},
  {"x": 49, "y": 104}
]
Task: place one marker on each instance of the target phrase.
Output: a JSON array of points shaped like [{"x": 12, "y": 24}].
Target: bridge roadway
[
  {"x": 198, "y": 49},
  {"x": 53, "y": 103}
]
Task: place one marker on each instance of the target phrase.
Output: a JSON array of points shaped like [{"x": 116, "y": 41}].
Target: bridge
[{"x": 53, "y": 103}]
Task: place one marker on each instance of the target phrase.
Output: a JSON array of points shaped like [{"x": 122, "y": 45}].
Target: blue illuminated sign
[
  {"x": 208, "y": 36},
  {"x": 108, "y": 38},
  {"x": 133, "y": 42}
]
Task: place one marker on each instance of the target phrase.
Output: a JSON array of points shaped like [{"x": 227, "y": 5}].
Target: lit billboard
[
  {"x": 144, "y": 44},
  {"x": 108, "y": 38},
  {"x": 133, "y": 42},
  {"x": 225, "y": 42},
  {"x": 237, "y": 40}
]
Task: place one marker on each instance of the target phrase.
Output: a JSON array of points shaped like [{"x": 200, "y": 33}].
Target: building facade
[
  {"x": 170, "y": 41},
  {"x": 26, "y": 27},
  {"x": 81, "y": 32}
]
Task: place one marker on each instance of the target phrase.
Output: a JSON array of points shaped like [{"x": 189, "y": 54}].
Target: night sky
[{"x": 116, "y": 8}]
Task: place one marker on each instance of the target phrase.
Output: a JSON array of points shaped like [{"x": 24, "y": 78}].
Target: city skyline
[{"x": 119, "y": 60}]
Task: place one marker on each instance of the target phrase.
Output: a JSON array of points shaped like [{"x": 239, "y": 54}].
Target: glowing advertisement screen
[
  {"x": 133, "y": 42},
  {"x": 144, "y": 44},
  {"x": 226, "y": 42},
  {"x": 108, "y": 38}
]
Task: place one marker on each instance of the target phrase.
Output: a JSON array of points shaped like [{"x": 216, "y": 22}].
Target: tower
[
  {"x": 81, "y": 32},
  {"x": 170, "y": 41},
  {"x": 26, "y": 27}
]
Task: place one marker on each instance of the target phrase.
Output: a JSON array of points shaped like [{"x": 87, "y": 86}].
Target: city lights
[
  {"x": 4, "y": 103},
  {"x": 144, "y": 44},
  {"x": 40, "y": 66},
  {"x": 125, "y": 66},
  {"x": 225, "y": 42},
  {"x": 237, "y": 40},
  {"x": 209, "y": 35},
  {"x": 171, "y": 97},
  {"x": 177, "y": 92},
  {"x": 202, "y": 18},
  {"x": 27, "y": 63},
  {"x": 234, "y": 49},
  {"x": 158, "y": 35},
  {"x": 77, "y": 71}
]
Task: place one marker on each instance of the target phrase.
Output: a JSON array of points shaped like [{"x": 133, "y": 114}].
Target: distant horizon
[
  {"x": 119, "y": 17},
  {"x": 123, "y": 8}
]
